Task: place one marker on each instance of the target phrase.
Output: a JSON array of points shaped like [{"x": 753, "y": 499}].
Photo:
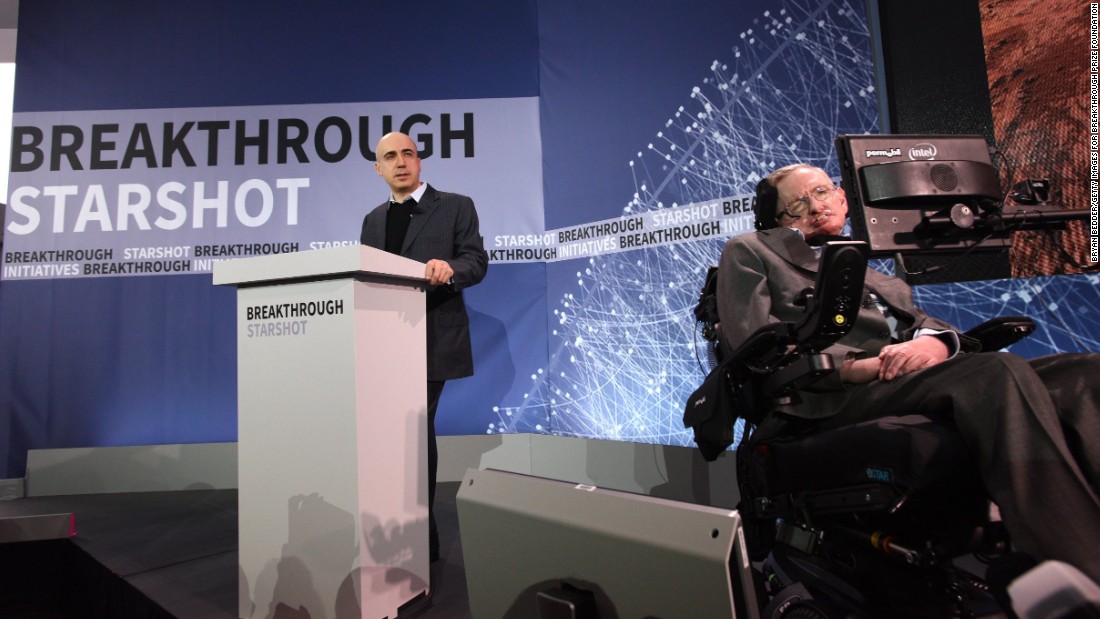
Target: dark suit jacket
[
  {"x": 444, "y": 226},
  {"x": 759, "y": 281}
]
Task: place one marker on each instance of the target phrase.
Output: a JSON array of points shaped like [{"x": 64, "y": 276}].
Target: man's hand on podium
[{"x": 438, "y": 272}]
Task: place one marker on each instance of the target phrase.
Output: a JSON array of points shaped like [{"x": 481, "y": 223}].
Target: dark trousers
[
  {"x": 1033, "y": 430},
  {"x": 435, "y": 389}
]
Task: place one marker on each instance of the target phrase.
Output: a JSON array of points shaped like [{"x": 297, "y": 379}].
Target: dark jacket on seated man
[{"x": 1032, "y": 426}]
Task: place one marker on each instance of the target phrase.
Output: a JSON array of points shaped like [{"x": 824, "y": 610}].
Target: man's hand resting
[{"x": 896, "y": 360}]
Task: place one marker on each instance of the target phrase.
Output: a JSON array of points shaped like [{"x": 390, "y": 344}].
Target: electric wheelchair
[{"x": 866, "y": 520}]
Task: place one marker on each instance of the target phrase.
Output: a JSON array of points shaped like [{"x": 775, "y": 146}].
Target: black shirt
[{"x": 397, "y": 224}]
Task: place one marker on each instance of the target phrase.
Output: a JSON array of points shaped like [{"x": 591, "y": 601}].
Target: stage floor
[{"x": 165, "y": 554}]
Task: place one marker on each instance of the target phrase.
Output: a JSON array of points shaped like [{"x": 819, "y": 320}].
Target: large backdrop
[{"x": 610, "y": 148}]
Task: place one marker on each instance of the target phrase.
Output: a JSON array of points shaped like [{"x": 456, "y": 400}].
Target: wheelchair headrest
[{"x": 766, "y": 205}]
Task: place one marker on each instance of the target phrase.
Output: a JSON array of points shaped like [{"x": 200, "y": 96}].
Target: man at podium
[{"x": 441, "y": 230}]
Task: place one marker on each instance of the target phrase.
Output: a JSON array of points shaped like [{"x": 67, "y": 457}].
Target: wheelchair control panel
[{"x": 833, "y": 306}]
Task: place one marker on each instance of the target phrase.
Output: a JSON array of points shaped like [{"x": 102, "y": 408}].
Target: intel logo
[{"x": 924, "y": 150}]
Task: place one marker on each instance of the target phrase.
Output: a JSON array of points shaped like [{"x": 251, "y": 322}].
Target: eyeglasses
[{"x": 801, "y": 204}]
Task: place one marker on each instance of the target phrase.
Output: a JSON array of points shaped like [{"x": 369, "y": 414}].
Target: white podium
[{"x": 332, "y": 425}]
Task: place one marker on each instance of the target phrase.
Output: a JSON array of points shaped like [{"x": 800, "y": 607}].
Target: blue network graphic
[
  {"x": 1063, "y": 306},
  {"x": 625, "y": 349}
]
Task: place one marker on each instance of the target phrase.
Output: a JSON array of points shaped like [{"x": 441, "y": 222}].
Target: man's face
[
  {"x": 398, "y": 164},
  {"x": 825, "y": 206}
]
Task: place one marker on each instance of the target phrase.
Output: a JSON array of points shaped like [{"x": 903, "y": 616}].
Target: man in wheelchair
[{"x": 961, "y": 424}]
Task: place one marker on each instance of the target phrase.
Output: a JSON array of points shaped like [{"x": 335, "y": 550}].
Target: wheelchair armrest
[
  {"x": 771, "y": 356},
  {"x": 804, "y": 371},
  {"x": 1002, "y": 332},
  {"x": 763, "y": 347}
]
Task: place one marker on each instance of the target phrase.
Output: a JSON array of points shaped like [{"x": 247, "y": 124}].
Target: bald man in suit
[
  {"x": 441, "y": 230},
  {"x": 1033, "y": 427}
]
